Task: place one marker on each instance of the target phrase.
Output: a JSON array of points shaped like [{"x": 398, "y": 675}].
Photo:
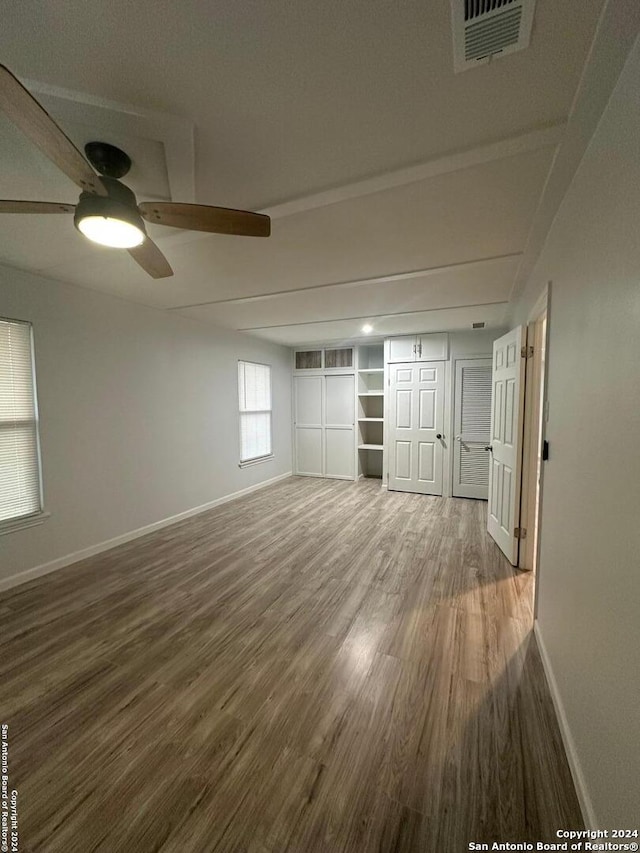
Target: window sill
[
  {"x": 11, "y": 525},
  {"x": 258, "y": 461}
]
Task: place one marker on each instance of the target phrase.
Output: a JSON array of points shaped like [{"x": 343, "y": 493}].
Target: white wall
[
  {"x": 138, "y": 415},
  {"x": 589, "y": 586}
]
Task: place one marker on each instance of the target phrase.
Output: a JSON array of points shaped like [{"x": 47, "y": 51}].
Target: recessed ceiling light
[{"x": 367, "y": 328}]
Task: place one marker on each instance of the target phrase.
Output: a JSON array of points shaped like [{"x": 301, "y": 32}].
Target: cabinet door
[
  {"x": 402, "y": 349},
  {"x": 432, "y": 347},
  {"x": 340, "y": 426},
  {"x": 308, "y": 359},
  {"x": 308, "y": 425}
]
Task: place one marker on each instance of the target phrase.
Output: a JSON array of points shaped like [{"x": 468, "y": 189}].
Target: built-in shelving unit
[{"x": 370, "y": 409}]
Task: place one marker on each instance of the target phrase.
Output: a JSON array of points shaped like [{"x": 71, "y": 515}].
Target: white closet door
[
  {"x": 472, "y": 428},
  {"x": 416, "y": 421},
  {"x": 339, "y": 420},
  {"x": 507, "y": 410},
  {"x": 308, "y": 394}
]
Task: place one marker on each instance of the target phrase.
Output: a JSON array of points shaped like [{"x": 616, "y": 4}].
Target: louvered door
[{"x": 472, "y": 428}]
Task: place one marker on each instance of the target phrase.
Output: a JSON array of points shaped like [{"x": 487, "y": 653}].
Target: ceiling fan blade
[
  {"x": 202, "y": 217},
  {"x": 36, "y": 123},
  {"x": 8, "y": 206},
  {"x": 151, "y": 259}
]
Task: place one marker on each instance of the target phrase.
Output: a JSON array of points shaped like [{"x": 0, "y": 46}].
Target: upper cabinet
[
  {"x": 433, "y": 347},
  {"x": 308, "y": 359},
  {"x": 334, "y": 358}
]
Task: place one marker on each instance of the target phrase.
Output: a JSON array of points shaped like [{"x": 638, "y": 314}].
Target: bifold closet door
[
  {"x": 308, "y": 417},
  {"x": 339, "y": 431}
]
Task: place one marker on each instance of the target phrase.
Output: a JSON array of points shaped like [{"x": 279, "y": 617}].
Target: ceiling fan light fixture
[
  {"x": 111, "y": 220},
  {"x": 109, "y": 231}
]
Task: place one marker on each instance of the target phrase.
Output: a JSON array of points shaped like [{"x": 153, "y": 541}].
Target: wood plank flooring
[{"x": 319, "y": 666}]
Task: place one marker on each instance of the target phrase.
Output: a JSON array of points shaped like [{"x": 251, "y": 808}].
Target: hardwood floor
[{"x": 320, "y": 666}]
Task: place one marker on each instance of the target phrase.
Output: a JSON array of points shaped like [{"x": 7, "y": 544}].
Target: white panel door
[
  {"x": 416, "y": 424},
  {"x": 308, "y": 411},
  {"x": 472, "y": 428},
  {"x": 339, "y": 423},
  {"x": 507, "y": 409}
]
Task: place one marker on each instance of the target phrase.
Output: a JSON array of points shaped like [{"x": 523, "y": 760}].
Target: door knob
[
  {"x": 489, "y": 448},
  {"x": 438, "y": 435}
]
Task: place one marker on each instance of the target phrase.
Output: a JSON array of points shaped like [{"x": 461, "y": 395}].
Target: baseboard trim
[
  {"x": 586, "y": 806},
  {"x": 92, "y": 550}
]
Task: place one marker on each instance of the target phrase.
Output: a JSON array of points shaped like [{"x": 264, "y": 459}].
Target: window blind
[
  {"x": 20, "y": 493},
  {"x": 254, "y": 388}
]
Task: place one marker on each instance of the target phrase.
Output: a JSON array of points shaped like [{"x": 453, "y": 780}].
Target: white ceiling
[{"x": 401, "y": 193}]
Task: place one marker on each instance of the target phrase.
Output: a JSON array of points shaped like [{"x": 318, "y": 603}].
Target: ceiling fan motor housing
[
  {"x": 107, "y": 159},
  {"x": 120, "y": 203}
]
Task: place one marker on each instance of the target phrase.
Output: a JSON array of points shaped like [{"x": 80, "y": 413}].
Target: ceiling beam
[
  {"x": 510, "y": 147},
  {"x": 358, "y": 317},
  {"x": 547, "y": 136},
  {"x": 359, "y": 282}
]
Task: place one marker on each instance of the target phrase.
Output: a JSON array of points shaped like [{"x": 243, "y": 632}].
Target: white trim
[
  {"x": 586, "y": 806},
  {"x": 92, "y": 550},
  {"x": 11, "y": 525},
  {"x": 258, "y": 459},
  {"x": 541, "y": 303}
]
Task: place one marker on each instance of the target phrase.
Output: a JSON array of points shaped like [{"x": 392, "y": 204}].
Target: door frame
[{"x": 535, "y": 420}]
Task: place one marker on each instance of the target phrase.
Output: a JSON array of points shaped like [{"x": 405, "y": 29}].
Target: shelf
[
  {"x": 369, "y": 447},
  {"x": 370, "y": 393},
  {"x": 372, "y": 370},
  {"x": 371, "y": 420}
]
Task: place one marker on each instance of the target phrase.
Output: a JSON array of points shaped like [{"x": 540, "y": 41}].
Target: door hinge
[
  {"x": 526, "y": 352},
  {"x": 520, "y": 532}
]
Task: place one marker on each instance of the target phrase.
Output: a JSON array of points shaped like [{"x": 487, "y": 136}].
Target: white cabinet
[
  {"x": 324, "y": 409},
  {"x": 430, "y": 347}
]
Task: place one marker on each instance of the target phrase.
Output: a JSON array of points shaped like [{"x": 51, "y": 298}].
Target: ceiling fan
[{"x": 107, "y": 211}]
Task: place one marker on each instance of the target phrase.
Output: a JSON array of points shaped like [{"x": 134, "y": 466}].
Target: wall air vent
[
  {"x": 487, "y": 29},
  {"x": 477, "y": 326}
]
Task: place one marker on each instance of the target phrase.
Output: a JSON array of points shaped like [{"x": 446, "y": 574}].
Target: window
[
  {"x": 254, "y": 391},
  {"x": 20, "y": 490}
]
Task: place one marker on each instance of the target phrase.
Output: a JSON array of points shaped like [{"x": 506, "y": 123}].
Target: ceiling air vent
[
  {"x": 477, "y": 326},
  {"x": 484, "y": 29}
]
